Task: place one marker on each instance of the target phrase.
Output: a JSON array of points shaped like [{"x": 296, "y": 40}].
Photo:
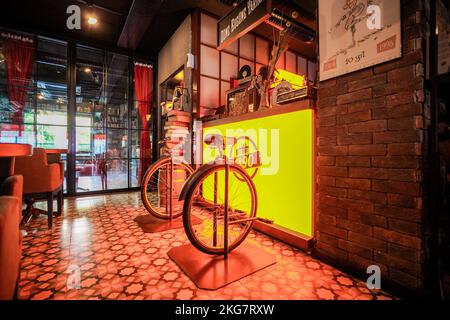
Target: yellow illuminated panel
[
  {"x": 297, "y": 81},
  {"x": 284, "y": 178}
]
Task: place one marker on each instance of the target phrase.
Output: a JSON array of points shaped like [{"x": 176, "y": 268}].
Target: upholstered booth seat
[{"x": 10, "y": 237}]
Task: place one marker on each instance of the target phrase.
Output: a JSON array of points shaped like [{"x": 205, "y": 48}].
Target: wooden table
[{"x": 8, "y": 154}]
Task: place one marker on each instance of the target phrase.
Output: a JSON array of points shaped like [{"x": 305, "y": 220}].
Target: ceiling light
[
  {"x": 87, "y": 70},
  {"x": 40, "y": 96},
  {"x": 92, "y": 20}
]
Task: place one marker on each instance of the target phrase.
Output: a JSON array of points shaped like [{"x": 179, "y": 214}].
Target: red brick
[
  {"x": 405, "y": 123},
  {"x": 327, "y": 239},
  {"x": 354, "y": 248},
  {"x": 397, "y": 87},
  {"x": 375, "y": 197},
  {"x": 327, "y": 202},
  {"x": 397, "y": 238},
  {"x": 368, "y": 173},
  {"x": 361, "y": 184},
  {"x": 332, "y": 230},
  {"x": 369, "y": 126},
  {"x": 406, "y": 175},
  {"x": 367, "y": 218},
  {"x": 400, "y": 98},
  {"x": 352, "y": 161},
  {"x": 354, "y": 117},
  {"x": 355, "y": 96},
  {"x": 402, "y": 162},
  {"x": 404, "y": 279},
  {"x": 354, "y": 204},
  {"x": 407, "y": 72},
  {"x": 407, "y": 188},
  {"x": 404, "y": 201},
  {"x": 327, "y": 141},
  {"x": 329, "y": 91},
  {"x": 331, "y": 111},
  {"x": 367, "y": 150},
  {"x": 332, "y": 191},
  {"x": 405, "y": 110},
  {"x": 366, "y": 105},
  {"x": 326, "y": 131},
  {"x": 368, "y": 242},
  {"x": 337, "y": 254},
  {"x": 409, "y": 254},
  {"x": 326, "y": 161},
  {"x": 327, "y": 181},
  {"x": 340, "y": 213},
  {"x": 403, "y": 226},
  {"x": 355, "y": 139},
  {"x": 410, "y": 214},
  {"x": 366, "y": 82},
  {"x": 326, "y": 102},
  {"x": 327, "y": 121},
  {"x": 357, "y": 75},
  {"x": 396, "y": 136},
  {"x": 333, "y": 150},
  {"x": 355, "y": 226},
  {"x": 361, "y": 264},
  {"x": 398, "y": 263},
  {"x": 404, "y": 149},
  {"x": 408, "y": 59}
]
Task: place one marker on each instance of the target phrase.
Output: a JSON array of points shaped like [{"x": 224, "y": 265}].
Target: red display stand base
[
  {"x": 151, "y": 224},
  {"x": 213, "y": 272}
]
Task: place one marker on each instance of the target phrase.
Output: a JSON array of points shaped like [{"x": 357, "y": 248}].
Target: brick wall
[{"x": 370, "y": 138}]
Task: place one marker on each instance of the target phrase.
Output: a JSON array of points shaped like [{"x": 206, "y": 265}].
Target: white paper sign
[{"x": 357, "y": 34}]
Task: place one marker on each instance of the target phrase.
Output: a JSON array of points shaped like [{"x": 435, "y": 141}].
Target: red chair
[
  {"x": 41, "y": 180},
  {"x": 10, "y": 236}
]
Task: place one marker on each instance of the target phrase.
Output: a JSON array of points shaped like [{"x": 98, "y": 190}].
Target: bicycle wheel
[
  {"x": 159, "y": 192},
  {"x": 206, "y": 199}
]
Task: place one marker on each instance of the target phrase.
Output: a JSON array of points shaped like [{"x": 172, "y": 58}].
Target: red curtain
[
  {"x": 19, "y": 62},
  {"x": 143, "y": 84}
]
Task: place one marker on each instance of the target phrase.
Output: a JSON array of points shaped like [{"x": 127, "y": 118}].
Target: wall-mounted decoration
[
  {"x": 243, "y": 18},
  {"x": 357, "y": 34}
]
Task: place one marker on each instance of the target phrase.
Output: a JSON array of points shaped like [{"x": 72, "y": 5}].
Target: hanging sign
[
  {"x": 244, "y": 17},
  {"x": 357, "y": 34}
]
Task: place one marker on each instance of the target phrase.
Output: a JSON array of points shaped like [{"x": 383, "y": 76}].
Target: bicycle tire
[
  {"x": 188, "y": 227},
  {"x": 145, "y": 180}
]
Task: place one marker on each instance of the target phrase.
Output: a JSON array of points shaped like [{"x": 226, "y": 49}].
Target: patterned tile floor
[{"x": 117, "y": 260}]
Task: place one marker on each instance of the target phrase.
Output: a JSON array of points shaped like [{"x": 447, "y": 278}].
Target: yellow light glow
[
  {"x": 92, "y": 20},
  {"x": 297, "y": 81},
  {"x": 179, "y": 76},
  {"x": 87, "y": 70}
]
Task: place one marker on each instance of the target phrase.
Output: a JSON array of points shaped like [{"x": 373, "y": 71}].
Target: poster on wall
[{"x": 357, "y": 34}]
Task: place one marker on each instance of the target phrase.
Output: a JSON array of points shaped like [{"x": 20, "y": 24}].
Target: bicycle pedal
[{"x": 266, "y": 221}]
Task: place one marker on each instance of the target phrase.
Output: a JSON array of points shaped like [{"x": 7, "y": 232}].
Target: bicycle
[
  {"x": 226, "y": 203},
  {"x": 161, "y": 186}
]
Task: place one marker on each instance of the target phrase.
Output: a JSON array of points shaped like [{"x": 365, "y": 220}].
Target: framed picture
[{"x": 357, "y": 34}]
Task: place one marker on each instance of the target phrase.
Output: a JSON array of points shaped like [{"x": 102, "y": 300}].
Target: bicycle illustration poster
[{"x": 358, "y": 34}]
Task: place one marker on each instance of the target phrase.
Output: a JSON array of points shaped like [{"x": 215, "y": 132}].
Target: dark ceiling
[{"x": 140, "y": 26}]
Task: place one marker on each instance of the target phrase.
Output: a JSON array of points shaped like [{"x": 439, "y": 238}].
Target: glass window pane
[
  {"x": 232, "y": 47},
  {"x": 209, "y": 92},
  {"x": 89, "y": 141},
  {"x": 8, "y": 109},
  {"x": 116, "y": 75},
  {"x": 136, "y": 136},
  {"x": 117, "y": 115},
  {"x": 209, "y": 63},
  {"x": 262, "y": 51},
  {"x": 9, "y": 133},
  {"x": 134, "y": 171},
  {"x": 117, "y": 143},
  {"x": 51, "y": 137},
  {"x": 208, "y": 30},
  {"x": 116, "y": 173},
  {"x": 247, "y": 46},
  {"x": 90, "y": 174},
  {"x": 229, "y": 66}
]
